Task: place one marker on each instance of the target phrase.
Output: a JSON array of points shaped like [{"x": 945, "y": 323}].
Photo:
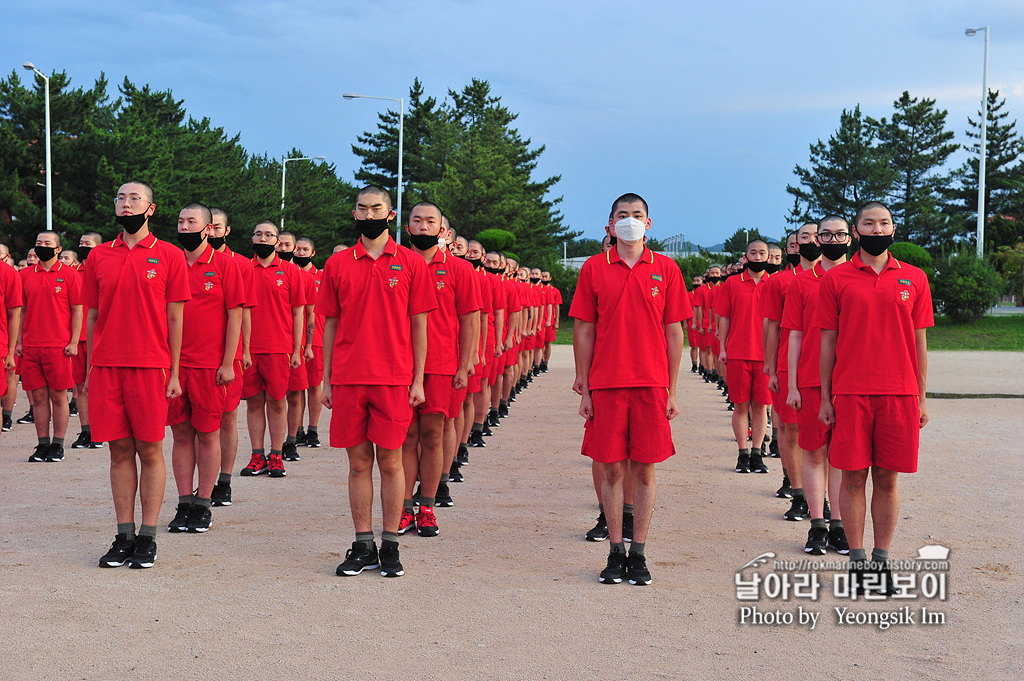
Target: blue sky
[{"x": 703, "y": 108}]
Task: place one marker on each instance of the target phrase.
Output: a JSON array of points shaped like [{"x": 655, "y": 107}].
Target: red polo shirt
[
  {"x": 279, "y": 289},
  {"x": 630, "y": 308},
  {"x": 491, "y": 285},
  {"x": 244, "y": 267},
  {"x": 48, "y": 297},
  {"x": 457, "y": 290},
  {"x": 130, "y": 288},
  {"x": 312, "y": 288},
  {"x": 318, "y": 319},
  {"x": 876, "y": 316},
  {"x": 11, "y": 296},
  {"x": 799, "y": 314},
  {"x": 773, "y": 300},
  {"x": 216, "y": 285},
  {"x": 374, "y": 301},
  {"x": 83, "y": 336},
  {"x": 739, "y": 300},
  {"x": 513, "y": 303}
]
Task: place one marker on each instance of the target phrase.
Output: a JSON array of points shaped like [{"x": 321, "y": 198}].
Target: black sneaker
[
  {"x": 145, "y": 553},
  {"x": 82, "y": 442},
  {"x": 289, "y": 452},
  {"x": 359, "y": 558},
  {"x": 221, "y": 494},
  {"x": 417, "y": 497},
  {"x": 817, "y": 539},
  {"x": 8, "y": 424},
  {"x": 492, "y": 419},
  {"x": 731, "y": 407},
  {"x": 827, "y": 514},
  {"x": 462, "y": 458},
  {"x": 73, "y": 407},
  {"x": 476, "y": 439},
  {"x": 615, "y": 571},
  {"x": 454, "y": 474},
  {"x": 636, "y": 569},
  {"x": 300, "y": 438},
  {"x": 773, "y": 449},
  {"x": 757, "y": 464},
  {"x": 627, "y": 527},
  {"x": 885, "y": 585},
  {"x": 312, "y": 439},
  {"x": 743, "y": 463},
  {"x": 600, "y": 531},
  {"x": 95, "y": 445},
  {"x": 390, "y": 565},
  {"x": 503, "y": 411},
  {"x": 180, "y": 521},
  {"x": 119, "y": 553},
  {"x": 786, "y": 490},
  {"x": 693, "y": 367},
  {"x": 797, "y": 510},
  {"x": 837, "y": 540},
  {"x": 443, "y": 497},
  {"x": 199, "y": 519},
  {"x": 27, "y": 418},
  {"x": 544, "y": 367},
  {"x": 486, "y": 430},
  {"x": 55, "y": 453},
  {"x": 39, "y": 454}
]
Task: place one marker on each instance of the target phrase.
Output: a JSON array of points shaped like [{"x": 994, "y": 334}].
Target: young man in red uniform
[
  {"x": 298, "y": 379},
  {"x": 80, "y": 362},
  {"x": 219, "y": 230},
  {"x": 776, "y": 366},
  {"x": 740, "y": 323},
  {"x": 452, "y": 328},
  {"x": 556, "y": 312},
  {"x": 49, "y": 339},
  {"x": 11, "y": 302},
  {"x": 691, "y": 326},
  {"x": 472, "y": 431},
  {"x": 805, "y": 387},
  {"x": 628, "y": 343},
  {"x": 275, "y": 347},
  {"x": 304, "y": 252},
  {"x": 873, "y": 312},
  {"x": 510, "y": 339},
  {"x": 496, "y": 374},
  {"x": 373, "y": 370},
  {"x": 135, "y": 288},
  {"x": 212, "y": 328}
]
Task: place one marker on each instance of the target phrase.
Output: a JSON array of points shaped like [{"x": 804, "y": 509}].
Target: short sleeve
[
  {"x": 923, "y": 314},
  {"x": 178, "y": 288},
  {"x": 677, "y": 300},
  {"x": 793, "y": 309},
  {"x": 584, "y": 303},
  {"x": 723, "y": 299},
  {"x": 467, "y": 291},
  {"x": 828, "y": 302},
  {"x": 421, "y": 293},
  {"x": 327, "y": 302}
]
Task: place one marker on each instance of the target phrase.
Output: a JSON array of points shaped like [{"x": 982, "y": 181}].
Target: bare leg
[
  {"x": 277, "y": 419},
  {"x": 229, "y": 441},
  {"x": 643, "y": 481},
  {"x": 791, "y": 454},
  {"x": 256, "y": 418},
  {"x": 611, "y": 493},
  {"x": 392, "y": 486},
  {"x": 885, "y": 506},
  {"x": 431, "y": 427},
  {"x": 152, "y": 479},
  {"x": 360, "y": 485},
  {"x": 40, "y": 401},
  {"x": 60, "y": 412},
  {"x": 854, "y": 506},
  {"x": 124, "y": 478},
  {"x": 183, "y": 457}
]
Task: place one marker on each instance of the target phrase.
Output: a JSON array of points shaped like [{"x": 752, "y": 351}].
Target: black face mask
[
  {"x": 757, "y": 266},
  {"x": 83, "y": 252},
  {"x": 131, "y": 223},
  {"x": 811, "y": 251},
  {"x": 286, "y": 255},
  {"x": 494, "y": 270},
  {"x": 833, "y": 252},
  {"x": 535, "y": 280},
  {"x": 874, "y": 244},
  {"x": 216, "y": 241},
  {"x": 423, "y": 242},
  {"x": 263, "y": 250},
  {"x": 190, "y": 240},
  {"x": 772, "y": 268},
  {"x": 45, "y": 253},
  {"x": 373, "y": 228},
  {"x": 477, "y": 263},
  {"x": 793, "y": 259},
  {"x": 302, "y": 260},
  {"x": 713, "y": 280}
]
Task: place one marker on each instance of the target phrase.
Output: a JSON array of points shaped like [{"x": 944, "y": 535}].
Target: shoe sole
[
  {"x": 841, "y": 552},
  {"x": 814, "y": 551},
  {"x": 278, "y": 474},
  {"x": 596, "y": 539},
  {"x": 353, "y": 573},
  {"x": 218, "y": 504},
  {"x": 443, "y": 504},
  {"x": 177, "y": 530},
  {"x": 761, "y": 471},
  {"x": 246, "y": 473},
  {"x": 783, "y": 495},
  {"x": 292, "y": 458},
  {"x": 430, "y": 532},
  {"x": 198, "y": 530},
  {"x": 744, "y": 471},
  {"x": 610, "y": 580},
  {"x": 54, "y": 459},
  {"x": 795, "y": 518},
  {"x": 396, "y": 573},
  {"x": 640, "y": 582},
  {"x": 316, "y": 446},
  {"x": 402, "y": 531},
  {"x": 108, "y": 564},
  {"x": 33, "y": 459},
  {"x": 142, "y": 565}
]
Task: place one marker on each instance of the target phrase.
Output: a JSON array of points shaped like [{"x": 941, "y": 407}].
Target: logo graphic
[
  {"x": 208, "y": 285},
  {"x": 392, "y": 282},
  {"x": 150, "y": 274},
  {"x": 440, "y": 285},
  {"x": 759, "y": 561},
  {"x": 280, "y": 282},
  {"x": 655, "y": 291},
  {"x": 933, "y": 552},
  {"x": 904, "y": 295},
  {"x": 58, "y": 288}
]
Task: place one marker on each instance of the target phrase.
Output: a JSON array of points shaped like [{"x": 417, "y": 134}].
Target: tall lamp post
[
  {"x": 401, "y": 130},
  {"x": 49, "y": 177},
  {"x": 984, "y": 150},
  {"x": 284, "y": 173}
]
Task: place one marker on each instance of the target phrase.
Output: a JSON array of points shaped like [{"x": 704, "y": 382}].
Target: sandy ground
[{"x": 509, "y": 590}]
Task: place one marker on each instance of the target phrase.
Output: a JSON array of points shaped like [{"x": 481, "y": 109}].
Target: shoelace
[
  {"x": 426, "y": 519},
  {"x": 276, "y": 463},
  {"x": 257, "y": 462},
  {"x": 407, "y": 518}
]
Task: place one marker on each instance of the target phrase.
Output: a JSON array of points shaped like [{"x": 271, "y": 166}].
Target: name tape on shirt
[
  {"x": 209, "y": 274},
  {"x": 441, "y": 273},
  {"x": 397, "y": 268},
  {"x": 905, "y": 282},
  {"x": 656, "y": 277}
]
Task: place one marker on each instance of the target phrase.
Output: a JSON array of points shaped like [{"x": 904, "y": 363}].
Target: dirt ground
[{"x": 509, "y": 589}]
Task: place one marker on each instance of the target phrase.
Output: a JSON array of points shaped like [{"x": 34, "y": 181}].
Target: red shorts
[
  {"x": 80, "y": 364},
  {"x": 785, "y": 413},
  {"x": 475, "y": 381},
  {"x": 455, "y": 405},
  {"x": 511, "y": 356},
  {"x": 378, "y": 413},
  {"x": 747, "y": 382},
  {"x": 876, "y": 430},
  {"x": 437, "y": 391},
  {"x": 704, "y": 340},
  {"x": 628, "y": 423},
  {"x": 315, "y": 368},
  {"x": 234, "y": 389},
  {"x": 549, "y": 335},
  {"x": 45, "y": 368},
  {"x": 691, "y": 336},
  {"x": 716, "y": 345},
  {"x": 128, "y": 402},
  {"x": 813, "y": 433},
  {"x": 202, "y": 401},
  {"x": 298, "y": 379},
  {"x": 494, "y": 367},
  {"x": 269, "y": 373}
]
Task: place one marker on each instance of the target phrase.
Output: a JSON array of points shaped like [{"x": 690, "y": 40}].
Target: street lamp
[
  {"x": 970, "y": 33},
  {"x": 284, "y": 173},
  {"x": 401, "y": 129},
  {"x": 49, "y": 184}
]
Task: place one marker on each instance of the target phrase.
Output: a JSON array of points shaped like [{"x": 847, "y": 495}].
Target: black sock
[
  {"x": 147, "y": 531},
  {"x": 8, "y": 412},
  {"x": 310, "y": 429},
  {"x": 258, "y": 451},
  {"x": 59, "y": 441},
  {"x": 224, "y": 477},
  {"x": 127, "y": 529},
  {"x": 817, "y": 522},
  {"x": 627, "y": 509},
  {"x": 835, "y": 523},
  {"x": 186, "y": 499},
  {"x": 289, "y": 439},
  {"x": 388, "y": 538},
  {"x": 617, "y": 548},
  {"x": 205, "y": 503},
  {"x": 478, "y": 428},
  {"x": 407, "y": 505},
  {"x": 364, "y": 538},
  {"x": 427, "y": 502},
  {"x": 87, "y": 430},
  {"x": 858, "y": 555},
  {"x": 637, "y": 548},
  {"x": 44, "y": 440},
  {"x": 798, "y": 492}
]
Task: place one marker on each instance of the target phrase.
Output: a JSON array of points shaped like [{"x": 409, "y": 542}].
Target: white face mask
[{"x": 630, "y": 229}]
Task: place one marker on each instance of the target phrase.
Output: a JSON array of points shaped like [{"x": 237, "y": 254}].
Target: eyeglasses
[
  {"x": 833, "y": 237},
  {"x": 134, "y": 200},
  {"x": 268, "y": 235}
]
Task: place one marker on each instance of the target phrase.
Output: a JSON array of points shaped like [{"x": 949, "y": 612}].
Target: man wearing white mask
[{"x": 628, "y": 342}]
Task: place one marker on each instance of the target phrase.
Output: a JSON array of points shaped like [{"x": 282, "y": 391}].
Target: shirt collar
[
  {"x": 359, "y": 250},
  {"x": 441, "y": 256},
  {"x": 613, "y": 256},
  {"x": 893, "y": 263},
  {"x": 276, "y": 262},
  {"x": 206, "y": 257},
  {"x": 148, "y": 242}
]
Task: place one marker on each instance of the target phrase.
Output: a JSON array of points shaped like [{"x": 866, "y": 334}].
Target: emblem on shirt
[
  {"x": 208, "y": 285},
  {"x": 440, "y": 285},
  {"x": 393, "y": 281},
  {"x": 904, "y": 294},
  {"x": 656, "y": 277},
  {"x": 655, "y": 291},
  {"x": 280, "y": 282},
  {"x": 397, "y": 268},
  {"x": 150, "y": 274},
  {"x": 58, "y": 288}
]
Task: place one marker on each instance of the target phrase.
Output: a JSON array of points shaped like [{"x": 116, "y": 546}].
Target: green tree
[
  {"x": 846, "y": 172},
  {"x": 918, "y": 144},
  {"x": 496, "y": 239},
  {"x": 966, "y": 286},
  {"x": 582, "y": 248},
  {"x": 1009, "y": 261},
  {"x": 736, "y": 245}
]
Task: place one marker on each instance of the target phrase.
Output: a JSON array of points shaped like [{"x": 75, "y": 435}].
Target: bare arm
[
  {"x": 583, "y": 340},
  {"x": 296, "y": 358},
  {"x": 499, "y": 324},
  {"x": 76, "y": 327},
  {"x": 175, "y": 323},
  {"x": 330, "y": 331},
  {"x": 418, "y": 329},
  {"x": 469, "y": 329},
  {"x": 674, "y": 337},
  {"x": 826, "y": 364},
  {"x": 14, "y": 331},
  {"x": 226, "y": 373},
  {"x": 246, "y": 333},
  {"x": 723, "y": 338},
  {"x": 921, "y": 339},
  {"x": 795, "y": 349}
]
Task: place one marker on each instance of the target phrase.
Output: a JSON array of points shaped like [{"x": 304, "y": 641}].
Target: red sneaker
[
  {"x": 275, "y": 465},
  {"x": 257, "y": 465},
  {"x": 426, "y": 522},
  {"x": 407, "y": 522}
]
